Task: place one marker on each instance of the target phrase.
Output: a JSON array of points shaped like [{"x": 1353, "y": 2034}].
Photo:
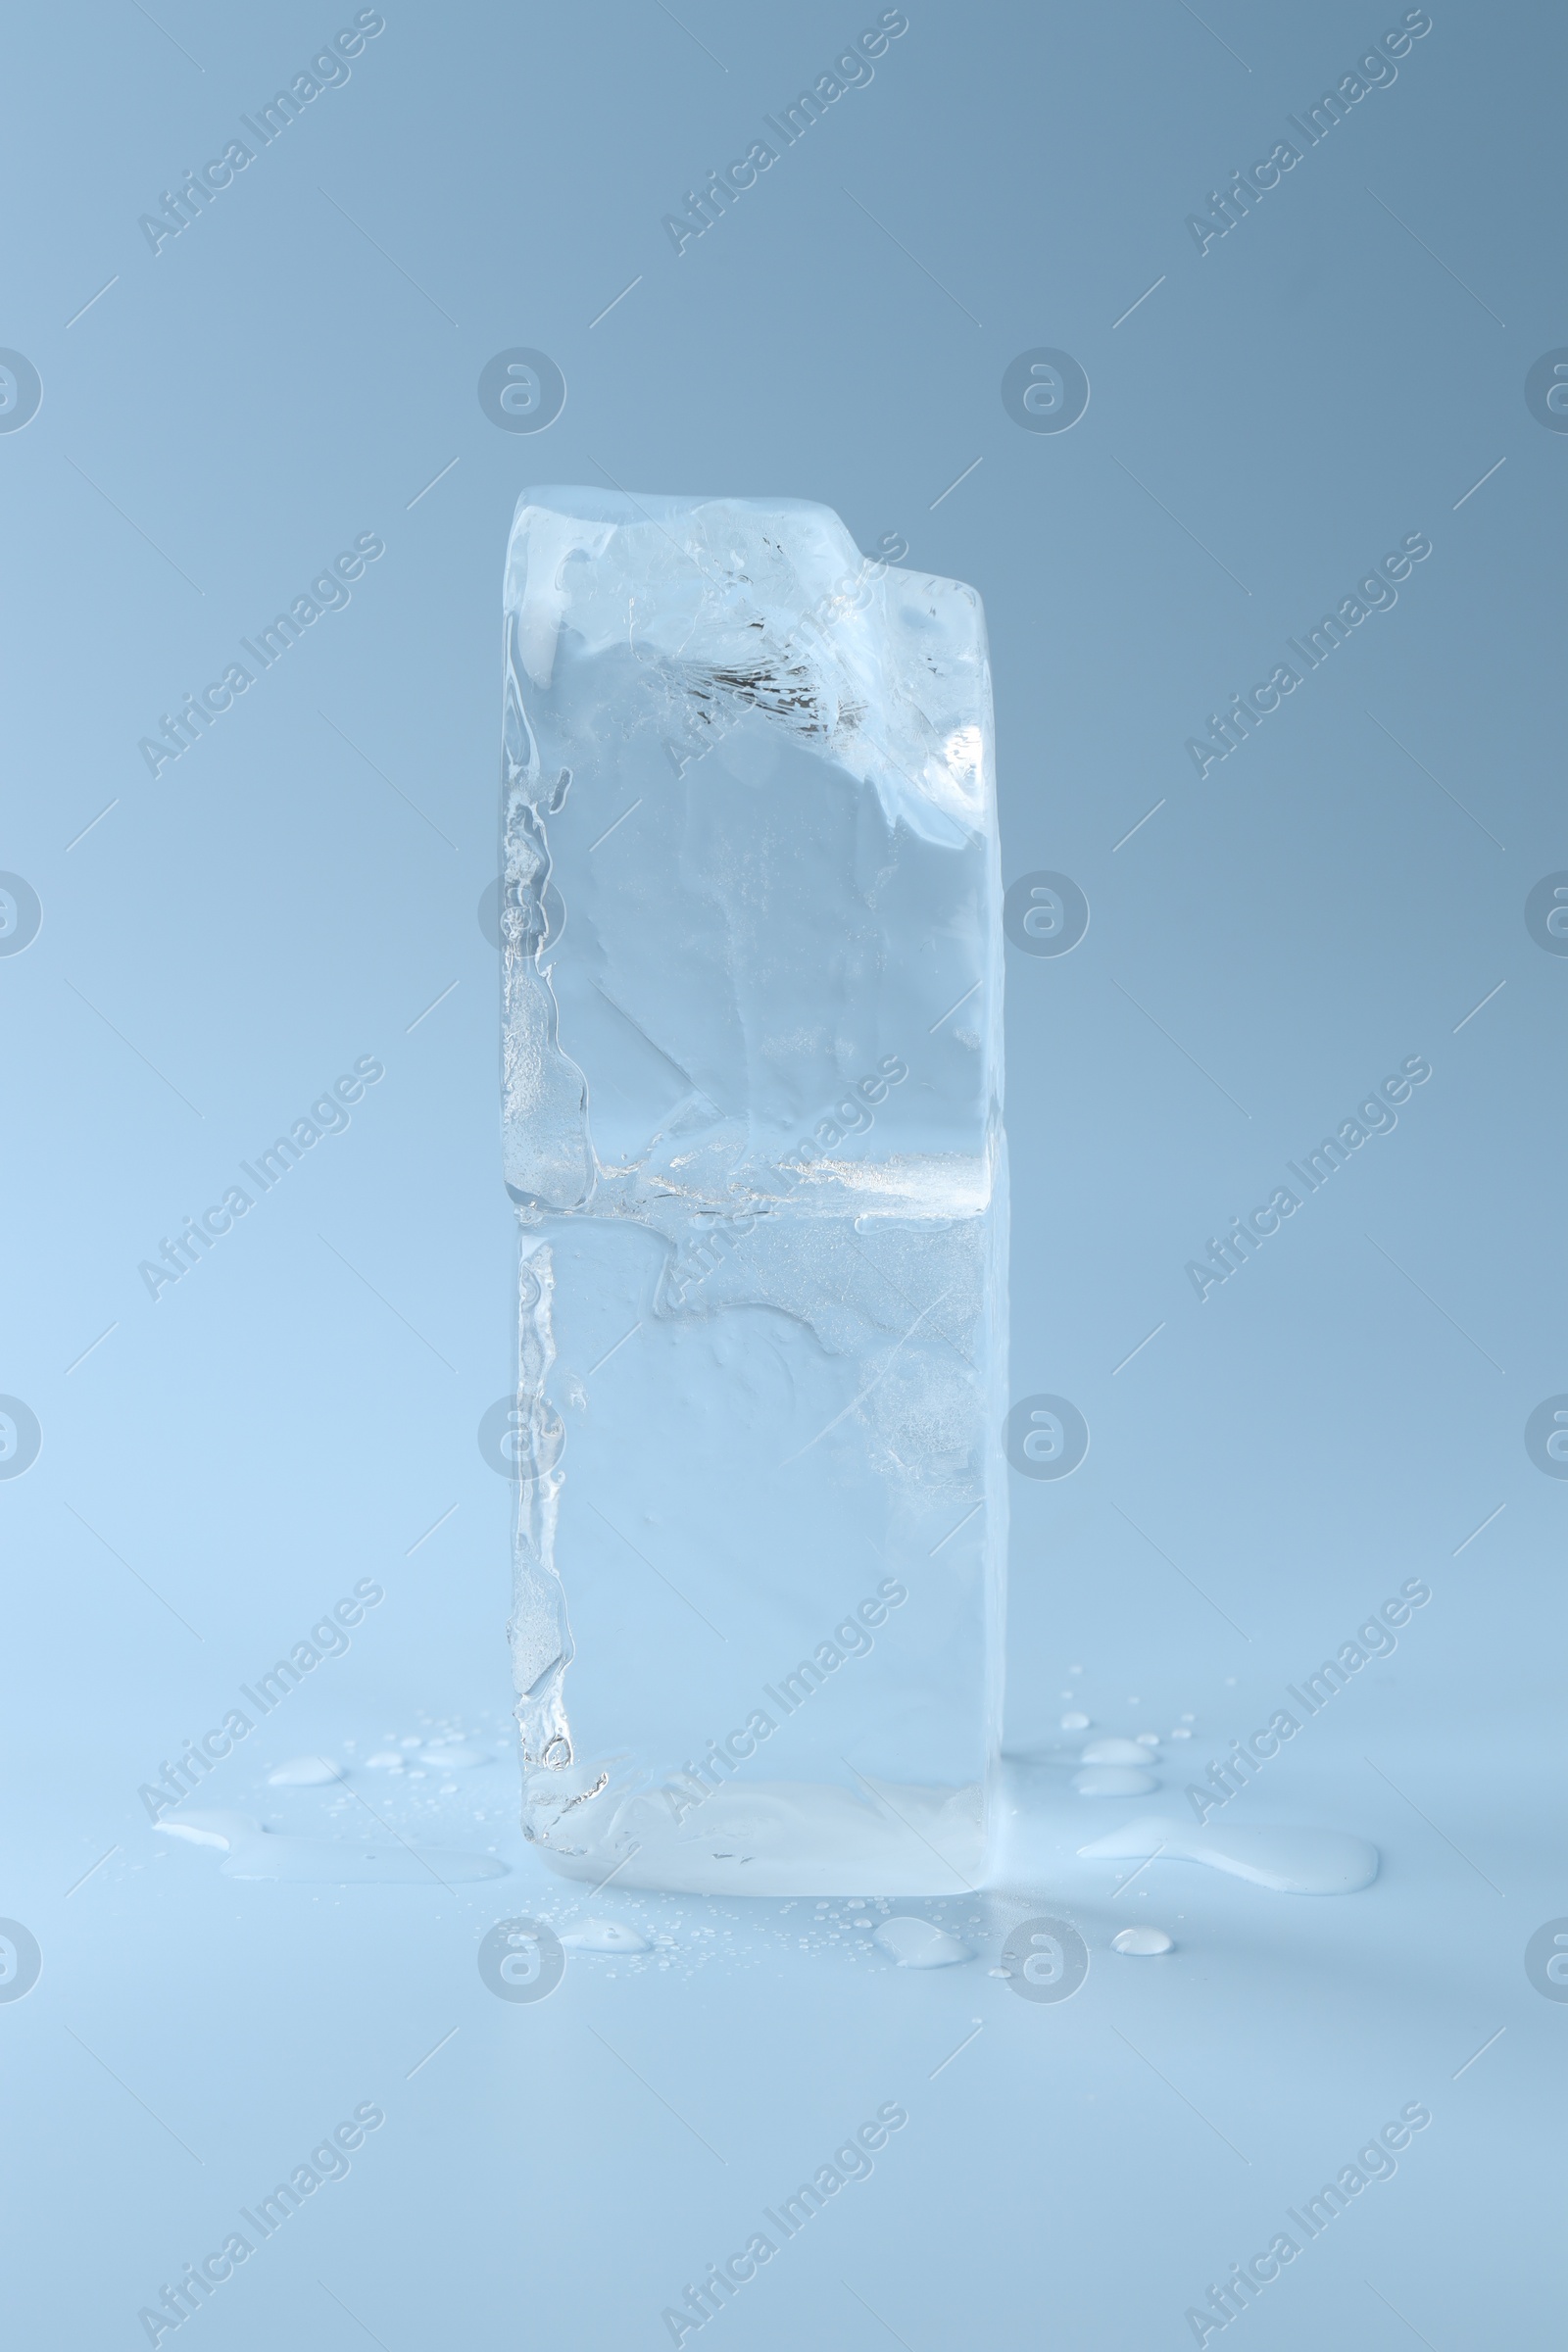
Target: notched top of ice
[{"x": 767, "y": 605}]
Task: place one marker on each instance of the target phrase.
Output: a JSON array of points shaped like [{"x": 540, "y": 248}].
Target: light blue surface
[{"x": 1266, "y": 420}]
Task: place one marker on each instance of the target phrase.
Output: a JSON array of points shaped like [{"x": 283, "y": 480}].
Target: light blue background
[{"x": 302, "y": 885}]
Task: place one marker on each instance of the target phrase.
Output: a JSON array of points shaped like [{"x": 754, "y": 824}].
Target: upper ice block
[{"x": 752, "y": 1114}]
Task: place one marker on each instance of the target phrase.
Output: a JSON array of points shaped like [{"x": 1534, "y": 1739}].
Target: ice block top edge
[
  {"x": 767, "y": 605},
  {"x": 587, "y": 502}
]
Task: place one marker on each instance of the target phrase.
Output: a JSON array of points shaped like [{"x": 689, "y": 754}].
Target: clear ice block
[{"x": 751, "y": 1117}]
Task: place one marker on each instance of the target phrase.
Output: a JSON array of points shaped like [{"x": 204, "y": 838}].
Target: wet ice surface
[
  {"x": 251, "y": 1850},
  {"x": 1290, "y": 2026}
]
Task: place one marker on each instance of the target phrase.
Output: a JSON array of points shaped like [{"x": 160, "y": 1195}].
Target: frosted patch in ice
[
  {"x": 767, "y": 607},
  {"x": 1287, "y": 1861},
  {"x": 251, "y": 1851},
  {"x": 918, "y": 1943}
]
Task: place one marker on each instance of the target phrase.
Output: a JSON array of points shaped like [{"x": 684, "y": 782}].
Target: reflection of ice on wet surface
[
  {"x": 251, "y": 1851},
  {"x": 1286, "y": 1860}
]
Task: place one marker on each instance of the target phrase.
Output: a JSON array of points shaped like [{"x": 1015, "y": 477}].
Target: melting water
[
  {"x": 1288, "y": 1861},
  {"x": 251, "y": 1851},
  {"x": 763, "y": 1836}
]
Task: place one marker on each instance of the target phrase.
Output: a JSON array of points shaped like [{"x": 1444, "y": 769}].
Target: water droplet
[
  {"x": 1075, "y": 1723},
  {"x": 917, "y": 1943},
  {"x": 1114, "y": 1751},
  {"x": 1113, "y": 1779},
  {"x": 606, "y": 1936},
  {"x": 1141, "y": 1944}
]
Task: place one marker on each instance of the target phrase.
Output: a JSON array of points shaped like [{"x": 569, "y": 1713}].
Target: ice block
[{"x": 751, "y": 1082}]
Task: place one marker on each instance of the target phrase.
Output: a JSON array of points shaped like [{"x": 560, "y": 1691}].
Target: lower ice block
[{"x": 752, "y": 1113}]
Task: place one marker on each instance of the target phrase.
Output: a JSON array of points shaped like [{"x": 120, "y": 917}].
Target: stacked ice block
[{"x": 752, "y": 1081}]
